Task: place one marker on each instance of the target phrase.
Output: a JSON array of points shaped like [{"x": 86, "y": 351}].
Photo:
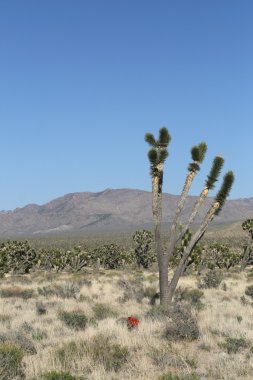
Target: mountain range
[{"x": 108, "y": 210}]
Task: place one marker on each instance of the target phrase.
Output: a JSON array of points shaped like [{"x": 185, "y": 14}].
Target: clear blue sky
[{"x": 82, "y": 81}]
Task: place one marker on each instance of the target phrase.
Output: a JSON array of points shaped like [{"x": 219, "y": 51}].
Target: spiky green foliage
[
  {"x": 224, "y": 191},
  {"x": 164, "y": 137},
  {"x": 153, "y": 157},
  {"x": 195, "y": 153},
  {"x": 163, "y": 154},
  {"x": 202, "y": 151},
  {"x": 158, "y": 153},
  {"x": 214, "y": 172},
  {"x": 198, "y": 154},
  {"x": 149, "y": 138}
]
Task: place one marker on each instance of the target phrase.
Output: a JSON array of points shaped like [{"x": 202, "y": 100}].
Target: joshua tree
[
  {"x": 157, "y": 156},
  {"x": 143, "y": 248},
  {"x": 247, "y": 225}
]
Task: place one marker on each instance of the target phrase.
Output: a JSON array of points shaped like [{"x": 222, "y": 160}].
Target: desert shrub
[
  {"x": 173, "y": 376},
  {"x": 222, "y": 256},
  {"x": 102, "y": 311},
  {"x": 69, "y": 352},
  {"x": 110, "y": 256},
  {"x": 111, "y": 355},
  {"x": 135, "y": 290},
  {"x": 20, "y": 338},
  {"x": 194, "y": 260},
  {"x": 39, "y": 334},
  {"x": 64, "y": 290},
  {"x": 143, "y": 248},
  {"x": 16, "y": 291},
  {"x": 41, "y": 309},
  {"x": 182, "y": 324},
  {"x": 212, "y": 279},
  {"x": 233, "y": 345},
  {"x": 11, "y": 356},
  {"x": 249, "y": 291},
  {"x": 17, "y": 257},
  {"x": 163, "y": 357},
  {"x": 54, "y": 259},
  {"x": 55, "y": 375},
  {"x": 75, "y": 319},
  {"x": 239, "y": 318},
  {"x": 157, "y": 312},
  {"x": 193, "y": 296},
  {"x": 131, "y": 290},
  {"x": 78, "y": 258}
]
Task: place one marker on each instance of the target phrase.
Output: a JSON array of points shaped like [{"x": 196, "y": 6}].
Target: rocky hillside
[{"x": 108, "y": 210}]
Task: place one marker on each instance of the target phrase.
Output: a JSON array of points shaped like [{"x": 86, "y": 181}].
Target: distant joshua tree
[
  {"x": 182, "y": 236},
  {"x": 247, "y": 225}
]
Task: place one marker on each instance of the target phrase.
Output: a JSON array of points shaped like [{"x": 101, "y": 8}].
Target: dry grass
[{"x": 141, "y": 353}]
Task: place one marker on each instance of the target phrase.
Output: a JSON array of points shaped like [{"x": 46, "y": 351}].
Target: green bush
[
  {"x": 55, "y": 375},
  {"x": 17, "y": 257},
  {"x": 143, "y": 248},
  {"x": 212, "y": 279},
  {"x": 11, "y": 356},
  {"x": 54, "y": 259},
  {"x": 110, "y": 256},
  {"x": 41, "y": 309},
  {"x": 233, "y": 345},
  {"x": 76, "y": 319},
  {"x": 249, "y": 291},
  {"x": 222, "y": 256}
]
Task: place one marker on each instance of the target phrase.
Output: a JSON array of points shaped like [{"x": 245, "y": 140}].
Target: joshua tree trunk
[
  {"x": 174, "y": 226},
  {"x": 157, "y": 182}
]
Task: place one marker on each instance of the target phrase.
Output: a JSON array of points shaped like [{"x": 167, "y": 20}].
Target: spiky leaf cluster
[
  {"x": 149, "y": 138},
  {"x": 164, "y": 137},
  {"x": 158, "y": 152},
  {"x": 214, "y": 172},
  {"x": 224, "y": 191},
  {"x": 198, "y": 154}
]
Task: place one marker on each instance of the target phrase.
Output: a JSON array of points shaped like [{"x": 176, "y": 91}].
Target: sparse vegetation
[{"x": 74, "y": 325}]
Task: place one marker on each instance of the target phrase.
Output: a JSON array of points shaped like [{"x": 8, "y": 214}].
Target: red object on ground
[{"x": 132, "y": 322}]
